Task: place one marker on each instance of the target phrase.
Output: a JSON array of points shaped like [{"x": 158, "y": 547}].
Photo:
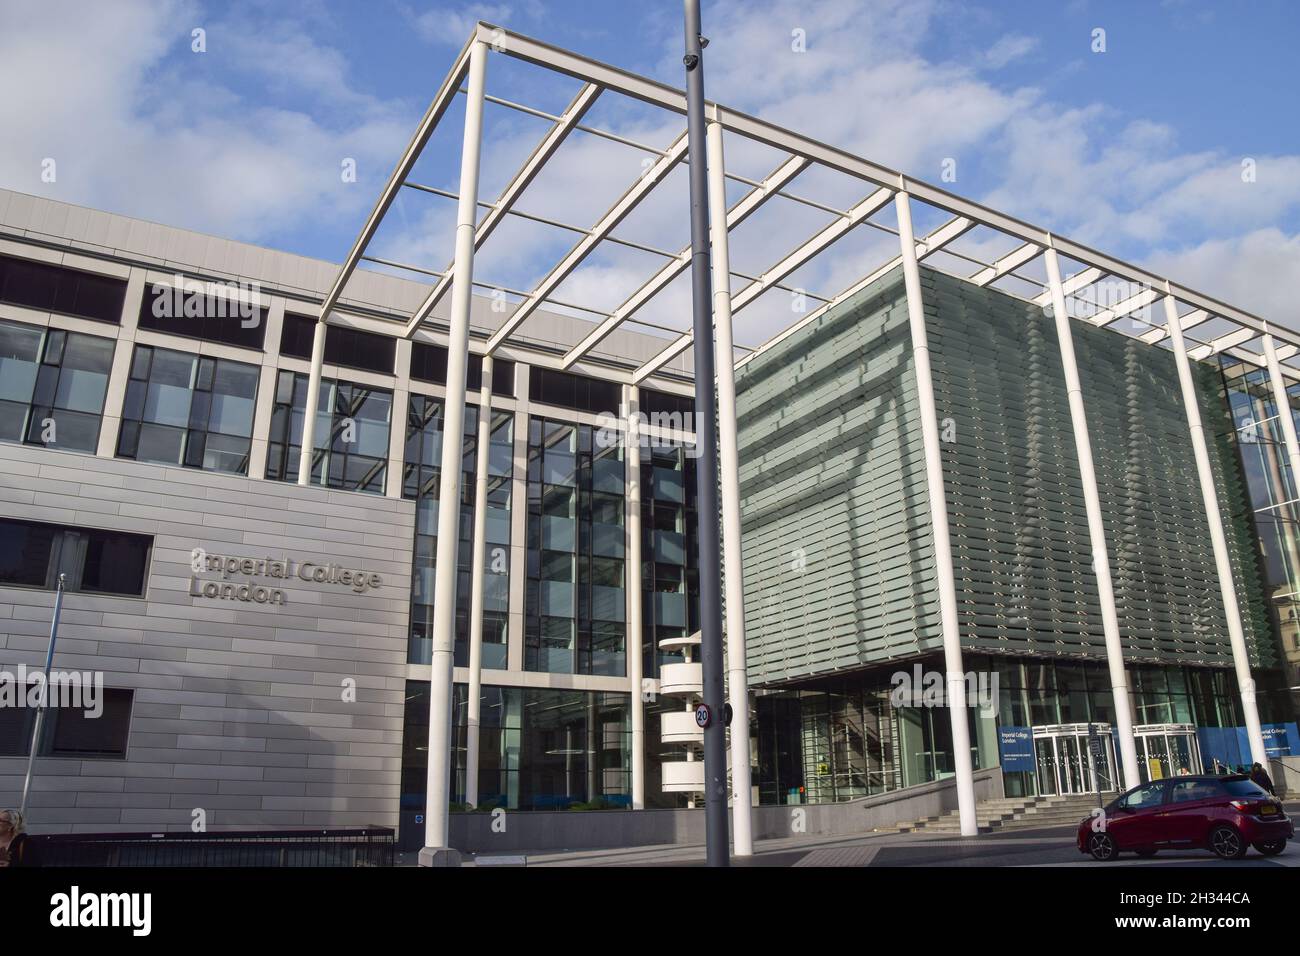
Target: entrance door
[
  {"x": 1070, "y": 765},
  {"x": 1066, "y": 764},
  {"x": 1045, "y": 750},
  {"x": 1167, "y": 750}
]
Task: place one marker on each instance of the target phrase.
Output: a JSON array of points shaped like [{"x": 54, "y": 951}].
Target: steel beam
[
  {"x": 733, "y": 569},
  {"x": 738, "y": 213},
  {"x": 608, "y": 222},
  {"x": 1011, "y": 261},
  {"x": 1218, "y": 540},
  {"x": 817, "y": 244},
  {"x": 438, "y": 795},
  {"x": 950, "y": 627},
  {"x": 444, "y": 97},
  {"x": 1126, "y": 308},
  {"x": 510, "y": 195},
  {"x": 1096, "y": 526},
  {"x": 1223, "y": 342}
]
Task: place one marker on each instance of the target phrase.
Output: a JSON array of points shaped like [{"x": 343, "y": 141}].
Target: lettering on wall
[{"x": 285, "y": 569}]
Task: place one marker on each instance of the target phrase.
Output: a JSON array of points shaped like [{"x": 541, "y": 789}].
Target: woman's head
[{"x": 11, "y": 822}]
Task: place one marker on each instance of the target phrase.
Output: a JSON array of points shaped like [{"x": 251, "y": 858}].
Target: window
[
  {"x": 1245, "y": 788},
  {"x": 573, "y": 391},
  {"x": 353, "y": 348},
  {"x": 677, "y": 408},
  {"x": 94, "y": 560},
  {"x": 540, "y": 749},
  {"x": 576, "y": 597},
  {"x": 199, "y": 314},
  {"x": 1144, "y": 797},
  {"x": 50, "y": 288},
  {"x": 52, "y": 386},
  {"x": 16, "y": 730},
  {"x": 669, "y": 581},
  {"x": 86, "y": 731},
  {"x": 1185, "y": 791},
  {"x": 189, "y": 410},
  {"x": 429, "y": 364},
  {"x": 351, "y": 434},
  {"x": 76, "y": 733},
  {"x": 421, "y": 477}
]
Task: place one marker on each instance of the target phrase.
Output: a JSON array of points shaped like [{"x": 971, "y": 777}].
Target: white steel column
[
  {"x": 952, "y": 658},
  {"x": 453, "y": 423},
  {"x": 733, "y": 575},
  {"x": 1286, "y": 419},
  {"x": 313, "y": 399},
  {"x": 635, "y": 669},
  {"x": 1227, "y": 586},
  {"x": 474, "y": 701},
  {"x": 1096, "y": 528}
]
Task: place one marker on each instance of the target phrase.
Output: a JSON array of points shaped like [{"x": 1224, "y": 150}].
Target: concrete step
[{"x": 1008, "y": 813}]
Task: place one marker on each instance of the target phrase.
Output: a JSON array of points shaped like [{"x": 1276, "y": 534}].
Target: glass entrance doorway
[
  {"x": 1065, "y": 763},
  {"x": 1166, "y": 750}
]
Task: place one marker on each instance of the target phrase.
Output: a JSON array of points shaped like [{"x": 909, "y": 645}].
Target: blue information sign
[{"x": 1016, "y": 747}]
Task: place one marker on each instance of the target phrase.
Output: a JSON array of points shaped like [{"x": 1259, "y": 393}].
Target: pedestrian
[
  {"x": 1259, "y": 776},
  {"x": 13, "y": 840}
]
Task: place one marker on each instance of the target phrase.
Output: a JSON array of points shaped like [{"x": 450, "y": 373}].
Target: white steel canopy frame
[{"x": 1248, "y": 338}]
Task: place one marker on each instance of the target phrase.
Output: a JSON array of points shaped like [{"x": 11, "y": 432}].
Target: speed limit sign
[{"x": 703, "y": 716}]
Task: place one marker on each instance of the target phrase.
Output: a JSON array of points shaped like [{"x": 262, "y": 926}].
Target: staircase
[{"x": 1009, "y": 813}]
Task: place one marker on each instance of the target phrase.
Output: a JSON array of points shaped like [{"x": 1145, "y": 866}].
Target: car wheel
[
  {"x": 1146, "y": 853},
  {"x": 1270, "y": 847},
  {"x": 1227, "y": 843},
  {"x": 1102, "y": 847}
]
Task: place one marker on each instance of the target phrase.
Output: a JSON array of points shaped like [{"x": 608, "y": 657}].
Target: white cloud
[
  {"x": 1007, "y": 49},
  {"x": 1258, "y": 271},
  {"x": 451, "y": 25},
  {"x": 135, "y": 131}
]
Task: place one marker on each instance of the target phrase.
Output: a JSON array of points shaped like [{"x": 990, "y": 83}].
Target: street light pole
[
  {"x": 706, "y": 472},
  {"x": 45, "y": 697}
]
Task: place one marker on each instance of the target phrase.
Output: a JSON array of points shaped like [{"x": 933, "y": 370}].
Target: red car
[{"x": 1223, "y": 814}]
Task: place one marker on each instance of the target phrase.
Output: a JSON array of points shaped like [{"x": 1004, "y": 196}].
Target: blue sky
[{"x": 1136, "y": 150}]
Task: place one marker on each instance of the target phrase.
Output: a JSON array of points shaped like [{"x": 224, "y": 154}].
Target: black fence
[{"x": 371, "y": 846}]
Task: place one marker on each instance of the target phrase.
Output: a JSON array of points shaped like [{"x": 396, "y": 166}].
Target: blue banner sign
[
  {"x": 1016, "y": 747},
  {"x": 1231, "y": 748}
]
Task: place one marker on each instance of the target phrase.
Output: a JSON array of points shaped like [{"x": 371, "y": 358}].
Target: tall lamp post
[{"x": 711, "y": 714}]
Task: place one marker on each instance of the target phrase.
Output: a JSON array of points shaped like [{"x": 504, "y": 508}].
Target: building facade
[
  {"x": 264, "y": 646},
  {"x": 841, "y": 591}
]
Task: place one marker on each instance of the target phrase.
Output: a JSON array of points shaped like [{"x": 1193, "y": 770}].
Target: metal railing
[{"x": 362, "y": 847}]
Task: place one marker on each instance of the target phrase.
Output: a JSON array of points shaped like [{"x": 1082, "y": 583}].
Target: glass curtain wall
[
  {"x": 421, "y": 481},
  {"x": 541, "y": 749},
  {"x": 1272, "y": 489},
  {"x": 847, "y": 739},
  {"x": 576, "y": 600}
]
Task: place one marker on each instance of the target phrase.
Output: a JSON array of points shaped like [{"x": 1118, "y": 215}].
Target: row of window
[
  {"x": 209, "y": 313},
  {"x": 51, "y": 288},
  {"x": 197, "y": 411}
]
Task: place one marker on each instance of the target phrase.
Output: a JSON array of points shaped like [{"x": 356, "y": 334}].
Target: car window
[
  {"x": 1149, "y": 796},
  {"x": 1245, "y": 788},
  {"x": 1183, "y": 791}
]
